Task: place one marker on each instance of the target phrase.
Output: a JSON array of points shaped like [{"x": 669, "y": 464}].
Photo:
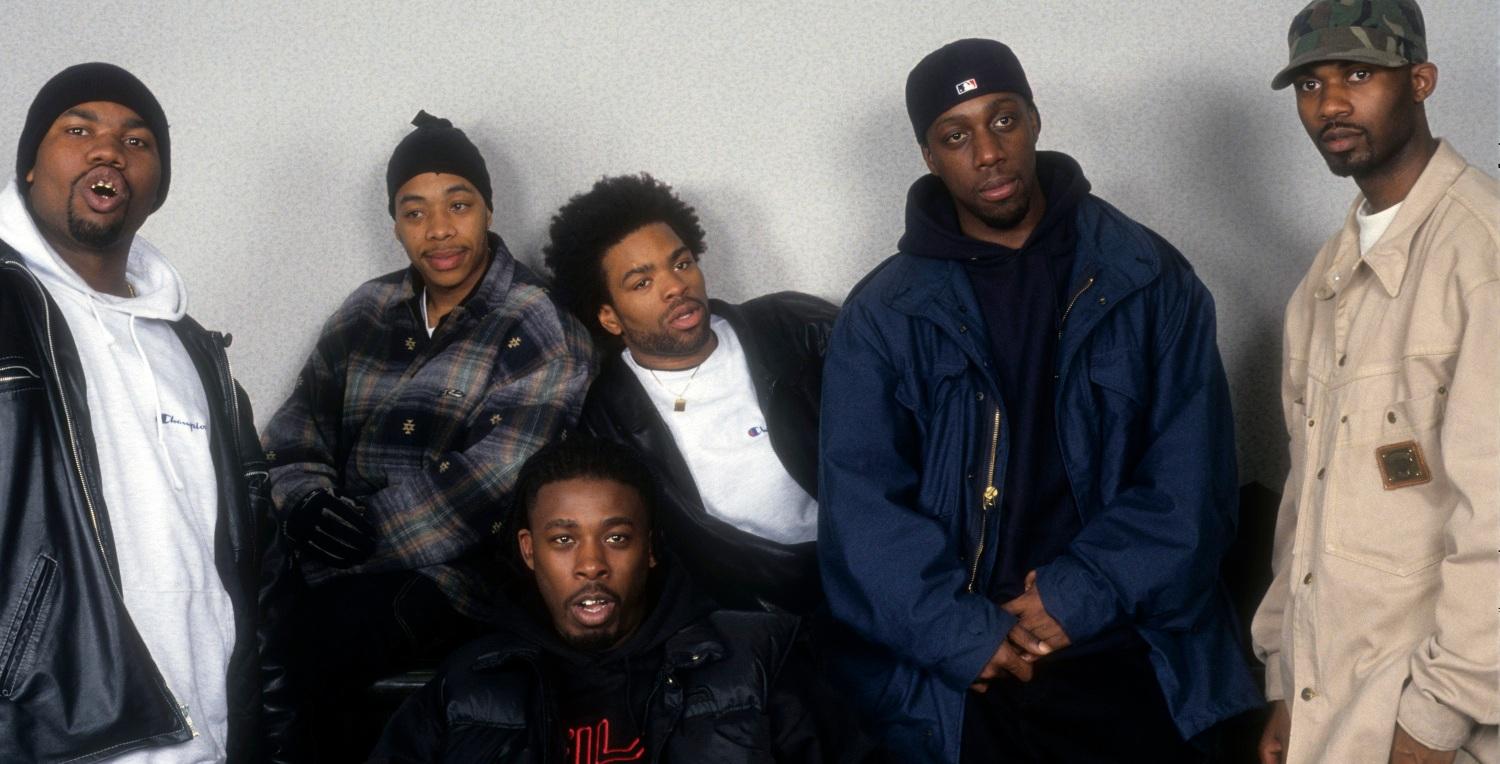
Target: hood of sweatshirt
[
  {"x": 932, "y": 228},
  {"x": 159, "y": 291}
]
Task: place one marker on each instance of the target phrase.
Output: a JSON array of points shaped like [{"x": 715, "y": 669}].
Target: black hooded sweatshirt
[
  {"x": 1023, "y": 293},
  {"x": 603, "y": 696}
]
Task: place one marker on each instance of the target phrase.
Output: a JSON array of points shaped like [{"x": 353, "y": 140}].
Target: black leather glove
[{"x": 330, "y": 528}]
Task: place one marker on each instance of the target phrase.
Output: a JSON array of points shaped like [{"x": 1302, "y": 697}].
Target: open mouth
[
  {"x": 686, "y": 317},
  {"x": 104, "y": 190},
  {"x": 594, "y": 610}
]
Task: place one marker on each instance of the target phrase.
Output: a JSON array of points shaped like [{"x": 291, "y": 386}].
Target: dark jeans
[
  {"x": 353, "y": 631},
  {"x": 1106, "y": 707}
]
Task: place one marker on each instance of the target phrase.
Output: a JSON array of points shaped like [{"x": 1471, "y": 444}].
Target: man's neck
[
  {"x": 1389, "y": 183},
  {"x": 675, "y": 363},
  {"x": 102, "y": 269}
]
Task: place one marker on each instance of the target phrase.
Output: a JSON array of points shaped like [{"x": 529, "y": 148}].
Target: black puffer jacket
[
  {"x": 784, "y": 336},
  {"x": 729, "y": 687},
  {"x": 77, "y": 683}
]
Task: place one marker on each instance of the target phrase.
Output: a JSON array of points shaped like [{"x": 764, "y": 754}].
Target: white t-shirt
[
  {"x": 722, "y": 435},
  {"x": 1372, "y": 225}
]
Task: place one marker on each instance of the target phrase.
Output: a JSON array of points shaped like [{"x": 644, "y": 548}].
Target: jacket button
[
  {"x": 1102, "y": 300},
  {"x": 1308, "y": 693},
  {"x": 1307, "y": 579},
  {"x": 1442, "y": 390},
  {"x": 1344, "y": 419},
  {"x": 970, "y": 476},
  {"x": 1320, "y": 473},
  {"x": 963, "y": 328},
  {"x": 1390, "y": 416},
  {"x": 671, "y": 681},
  {"x": 979, "y": 396},
  {"x": 228, "y": 339},
  {"x": 1343, "y": 358},
  {"x": 1310, "y": 423}
]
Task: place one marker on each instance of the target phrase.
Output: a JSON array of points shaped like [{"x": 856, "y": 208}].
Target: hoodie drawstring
[{"x": 161, "y": 440}]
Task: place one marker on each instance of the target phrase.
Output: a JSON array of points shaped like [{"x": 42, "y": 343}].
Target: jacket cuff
[
  {"x": 978, "y": 646},
  {"x": 1074, "y": 598},
  {"x": 1275, "y": 689},
  {"x": 1432, "y": 724}
]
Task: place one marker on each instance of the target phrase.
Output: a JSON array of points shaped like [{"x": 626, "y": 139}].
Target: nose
[
  {"x": 1333, "y": 102},
  {"x": 105, "y": 149},
  {"x": 590, "y": 564},
  {"x": 673, "y": 284},
  {"x": 987, "y": 149},
  {"x": 440, "y": 225}
]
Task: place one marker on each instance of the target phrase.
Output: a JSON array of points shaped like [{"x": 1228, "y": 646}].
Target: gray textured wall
[{"x": 782, "y": 122}]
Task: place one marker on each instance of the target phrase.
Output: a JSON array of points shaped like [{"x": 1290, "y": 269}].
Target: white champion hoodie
[{"x": 149, "y": 415}]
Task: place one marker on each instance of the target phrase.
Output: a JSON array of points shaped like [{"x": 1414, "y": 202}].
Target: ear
[
  {"x": 523, "y": 537},
  {"x": 1036, "y": 122},
  {"x": 31, "y": 176},
  {"x": 927, "y": 159},
  {"x": 1424, "y": 77},
  {"x": 610, "y": 320},
  {"x": 651, "y": 556}
]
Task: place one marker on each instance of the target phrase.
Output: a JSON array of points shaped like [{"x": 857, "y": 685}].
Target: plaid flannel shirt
[{"x": 429, "y": 433}]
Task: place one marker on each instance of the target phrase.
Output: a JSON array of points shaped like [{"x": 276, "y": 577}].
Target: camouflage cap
[{"x": 1380, "y": 32}]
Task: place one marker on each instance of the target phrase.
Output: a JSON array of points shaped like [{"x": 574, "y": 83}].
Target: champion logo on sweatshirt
[{"x": 194, "y": 426}]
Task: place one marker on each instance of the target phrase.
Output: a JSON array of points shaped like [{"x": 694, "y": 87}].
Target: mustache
[
  {"x": 1331, "y": 126},
  {"x": 593, "y": 590}
]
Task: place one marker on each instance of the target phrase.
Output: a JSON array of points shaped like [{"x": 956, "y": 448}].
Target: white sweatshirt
[{"x": 150, "y": 419}]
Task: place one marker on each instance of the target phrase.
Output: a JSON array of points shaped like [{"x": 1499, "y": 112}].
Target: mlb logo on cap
[{"x": 966, "y": 86}]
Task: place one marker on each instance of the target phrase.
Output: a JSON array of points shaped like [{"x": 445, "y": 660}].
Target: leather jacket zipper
[
  {"x": 88, "y": 497},
  {"x": 987, "y": 499},
  {"x": 1071, "y": 303}
]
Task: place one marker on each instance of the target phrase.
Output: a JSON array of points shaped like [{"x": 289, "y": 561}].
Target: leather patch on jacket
[{"x": 1402, "y": 465}]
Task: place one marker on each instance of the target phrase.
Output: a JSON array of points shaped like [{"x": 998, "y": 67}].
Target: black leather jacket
[
  {"x": 784, "y": 336},
  {"x": 77, "y": 682}
]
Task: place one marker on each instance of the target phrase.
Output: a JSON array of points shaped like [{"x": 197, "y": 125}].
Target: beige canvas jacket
[{"x": 1387, "y": 558}]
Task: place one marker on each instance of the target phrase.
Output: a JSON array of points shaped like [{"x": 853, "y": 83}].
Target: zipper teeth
[
  {"x": 1071, "y": 303},
  {"x": 988, "y": 502},
  {"x": 62, "y": 396}
]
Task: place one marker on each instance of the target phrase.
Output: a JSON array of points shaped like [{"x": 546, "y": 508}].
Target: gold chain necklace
[{"x": 681, "y": 403}]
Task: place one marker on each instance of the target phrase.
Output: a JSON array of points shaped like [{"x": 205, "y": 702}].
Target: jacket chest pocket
[
  {"x": 24, "y": 625},
  {"x": 1387, "y": 496}
]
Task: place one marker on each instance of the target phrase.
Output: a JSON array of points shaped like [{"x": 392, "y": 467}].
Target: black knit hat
[
  {"x": 93, "y": 82},
  {"x": 956, "y": 72},
  {"x": 435, "y": 146}
]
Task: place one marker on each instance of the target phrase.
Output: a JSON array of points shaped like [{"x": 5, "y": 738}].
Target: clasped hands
[{"x": 1035, "y": 634}]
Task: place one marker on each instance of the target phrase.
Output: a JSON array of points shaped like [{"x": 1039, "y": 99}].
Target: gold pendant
[{"x": 680, "y": 404}]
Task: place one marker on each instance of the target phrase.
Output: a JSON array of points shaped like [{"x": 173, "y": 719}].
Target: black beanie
[
  {"x": 956, "y": 72},
  {"x": 435, "y": 146},
  {"x": 93, "y": 82}
]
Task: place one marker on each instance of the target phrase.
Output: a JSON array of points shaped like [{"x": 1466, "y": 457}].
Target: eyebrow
[
  {"x": 649, "y": 267},
  {"x": 458, "y": 188},
  {"x": 81, "y": 113},
  {"x": 561, "y": 522}
]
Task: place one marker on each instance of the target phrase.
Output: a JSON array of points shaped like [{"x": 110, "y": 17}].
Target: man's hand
[
  {"x": 1005, "y": 662},
  {"x": 1273, "y": 740},
  {"x": 1036, "y": 633},
  {"x": 330, "y": 528},
  {"x": 1406, "y": 750}
]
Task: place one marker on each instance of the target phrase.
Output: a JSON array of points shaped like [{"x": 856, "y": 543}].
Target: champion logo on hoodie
[{"x": 194, "y": 426}]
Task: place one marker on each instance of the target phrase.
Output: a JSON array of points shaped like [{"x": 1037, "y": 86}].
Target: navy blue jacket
[{"x": 913, "y": 437}]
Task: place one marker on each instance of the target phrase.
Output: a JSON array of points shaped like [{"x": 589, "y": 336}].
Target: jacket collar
[
  {"x": 1388, "y": 257},
  {"x": 1110, "y": 262}
]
